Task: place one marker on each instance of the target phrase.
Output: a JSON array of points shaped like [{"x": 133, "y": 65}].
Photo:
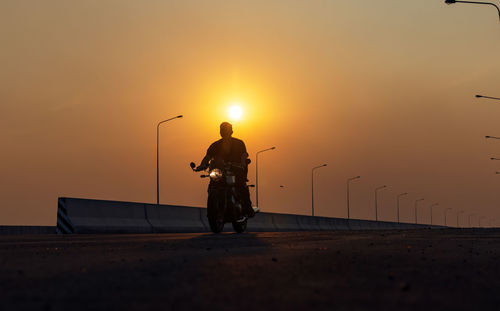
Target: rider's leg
[
  {"x": 245, "y": 201},
  {"x": 244, "y": 193}
]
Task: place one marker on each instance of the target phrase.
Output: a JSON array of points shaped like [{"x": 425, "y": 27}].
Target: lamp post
[
  {"x": 398, "y": 199},
  {"x": 474, "y": 2},
  {"x": 470, "y": 215},
  {"x": 416, "y": 202},
  {"x": 433, "y": 205},
  {"x": 376, "y": 200},
  {"x": 488, "y": 97},
  {"x": 257, "y": 175},
  {"x": 312, "y": 185},
  {"x": 158, "y": 157},
  {"x": 445, "y": 212},
  {"x": 349, "y": 195},
  {"x": 458, "y": 218}
]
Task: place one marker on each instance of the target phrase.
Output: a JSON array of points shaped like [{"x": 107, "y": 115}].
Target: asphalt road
[{"x": 392, "y": 270}]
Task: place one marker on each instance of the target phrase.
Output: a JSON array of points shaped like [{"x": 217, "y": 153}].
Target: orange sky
[{"x": 381, "y": 89}]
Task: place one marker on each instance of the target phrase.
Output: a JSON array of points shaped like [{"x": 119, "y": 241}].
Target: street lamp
[
  {"x": 312, "y": 185},
  {"x": 445, "y": 211},
  {"x": 376, "y": 200},
  {"x": 398, "y": 197},
  {"x": 474, "y": 2},
  {"x": 416, "y": 201},
  {"x": 433, "y": 205},
  {"x": 158, "y": 157},
  {"x": 458, "y": 216},
  {"x": 470, "y": 215},
  {"x": 348, "y": 193},
  {"x": 488, "y": 97},
  {"x": 257, "y": 174}
]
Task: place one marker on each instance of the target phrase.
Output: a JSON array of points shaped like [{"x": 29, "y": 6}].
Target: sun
[{"x": 235, "y": 112}]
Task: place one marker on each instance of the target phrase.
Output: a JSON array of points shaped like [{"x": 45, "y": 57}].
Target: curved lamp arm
[{"x": 474, "y": 2}]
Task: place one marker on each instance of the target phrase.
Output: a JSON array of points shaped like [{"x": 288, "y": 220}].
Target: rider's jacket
[{"x": 230, "y": 150}]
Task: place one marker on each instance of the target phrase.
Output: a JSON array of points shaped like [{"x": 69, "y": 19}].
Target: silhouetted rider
[{"x": 230, "y": 149}]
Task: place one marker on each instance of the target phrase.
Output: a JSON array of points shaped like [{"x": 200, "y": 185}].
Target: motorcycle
[{"x": 224, "y": 202}]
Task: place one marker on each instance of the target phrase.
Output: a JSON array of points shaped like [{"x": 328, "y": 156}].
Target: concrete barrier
[
  {"x": 261, "y": 222},
  {"x": 171, "y": 218},
  {"x": 340, "y": 224},
  {"x": 204, "y": 219},
  {"x": 335, "y": 224},
  {"x": 386, "y": 225},
  {"x": 354, "y": 224},
  {"x": 100, "y": 216},
  {"x": 64, "y": 224},
  {"x": 308, "y": 223},
  {"x": 326, "y": 224},
  {"x": 286, "y": 222},
  {"x": 373, "y": 225}
]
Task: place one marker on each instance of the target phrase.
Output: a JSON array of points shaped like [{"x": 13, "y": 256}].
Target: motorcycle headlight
[{"x": 215, "y": 174}]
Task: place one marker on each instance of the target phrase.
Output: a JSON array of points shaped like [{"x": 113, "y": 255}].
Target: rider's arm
[
  {"x": 206, "y": 160},
  {"x": 244, "y": 155},
  {"x": 204, "y": 163}
]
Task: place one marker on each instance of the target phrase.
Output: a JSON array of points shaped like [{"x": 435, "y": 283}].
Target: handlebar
[{"x": 232, "y": 164}]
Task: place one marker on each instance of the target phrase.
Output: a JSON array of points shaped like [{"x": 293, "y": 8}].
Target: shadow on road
[{"x": 225, "y": 241}]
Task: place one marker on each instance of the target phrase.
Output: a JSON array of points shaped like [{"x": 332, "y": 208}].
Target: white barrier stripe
[{"x": 64, "y": 224}]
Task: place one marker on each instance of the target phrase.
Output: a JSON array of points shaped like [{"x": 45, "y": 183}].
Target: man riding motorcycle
[{"x": 230, "y": 149}]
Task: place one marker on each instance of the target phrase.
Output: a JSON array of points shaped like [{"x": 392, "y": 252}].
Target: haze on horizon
[{"x": 381, "y": 89}]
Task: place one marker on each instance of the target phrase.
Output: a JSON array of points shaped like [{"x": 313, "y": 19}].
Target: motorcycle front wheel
[
  {"x": 216, "y": 225},
  {"x": 240, "y": 226},
  {"x": 216, "y": 211}
]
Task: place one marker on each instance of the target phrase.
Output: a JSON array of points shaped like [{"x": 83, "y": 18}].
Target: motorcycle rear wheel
[{"x": 240, "y": 227}]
